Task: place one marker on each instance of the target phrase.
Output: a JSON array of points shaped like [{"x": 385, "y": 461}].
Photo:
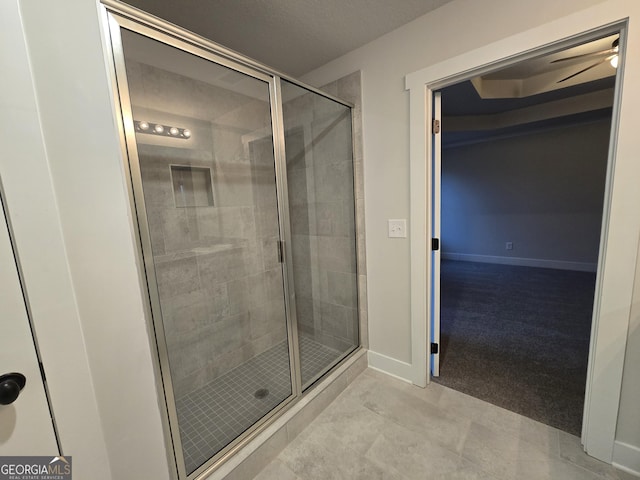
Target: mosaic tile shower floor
[{"x": 212, "y": 416}]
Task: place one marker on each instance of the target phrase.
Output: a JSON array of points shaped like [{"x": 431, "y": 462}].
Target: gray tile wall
[
  {"x": 349, "y": 88},
  {"x": 218, "y": 275},
  {"x": 217, "y": 270},
  {"x": 322, "y": 199}
]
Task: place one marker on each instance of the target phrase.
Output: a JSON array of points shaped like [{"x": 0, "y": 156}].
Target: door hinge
[
  {"x": 44, "y": 377},
  {"x": 280, "y": 251},
  {"x": 434, "y": 348},
  {"x": 435, "y": 244},
  {"x": 435, "y": 126}
]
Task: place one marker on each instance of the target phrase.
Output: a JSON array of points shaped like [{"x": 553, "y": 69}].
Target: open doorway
[{"x": 523, "y": 170}]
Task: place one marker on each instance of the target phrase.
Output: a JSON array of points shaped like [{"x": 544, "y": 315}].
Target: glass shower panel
[
  {"x": 319, "y": 158},
  {"x": 206, "y": 165}
]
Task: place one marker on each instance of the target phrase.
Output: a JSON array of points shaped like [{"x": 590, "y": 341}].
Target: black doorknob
[{"x": 10, "y": 386}]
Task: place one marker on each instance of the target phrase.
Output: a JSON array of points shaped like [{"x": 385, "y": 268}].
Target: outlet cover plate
[{"x": 398, "y": 228}]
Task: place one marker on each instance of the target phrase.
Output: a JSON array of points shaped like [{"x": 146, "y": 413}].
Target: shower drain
[{"x": 261, "y": 393}]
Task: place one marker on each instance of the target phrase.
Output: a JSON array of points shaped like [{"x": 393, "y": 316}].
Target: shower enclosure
[{"x": 242, "y": 186}]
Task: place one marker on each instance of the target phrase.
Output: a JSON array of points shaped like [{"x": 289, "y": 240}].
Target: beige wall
[{"x": 453, "y": 30}]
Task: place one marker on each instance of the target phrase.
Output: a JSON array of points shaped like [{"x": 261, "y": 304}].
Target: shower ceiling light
[{"x": 143, "y": 126}]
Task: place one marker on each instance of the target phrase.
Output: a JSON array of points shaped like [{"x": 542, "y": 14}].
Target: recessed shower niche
[
  {"x": 244, "y": 194},
  {"x": 191, "y": 186}
]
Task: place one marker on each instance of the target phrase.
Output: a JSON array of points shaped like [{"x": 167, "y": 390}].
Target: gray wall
[{"x": 542, "y": 191}]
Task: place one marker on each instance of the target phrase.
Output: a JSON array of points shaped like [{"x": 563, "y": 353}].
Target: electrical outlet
[
  {"x": 398, "y": 228},
  {"x": 508, "y": 245}
]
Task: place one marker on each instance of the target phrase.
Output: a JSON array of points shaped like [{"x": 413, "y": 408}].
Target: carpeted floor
[{"x": 518, "y": 337}]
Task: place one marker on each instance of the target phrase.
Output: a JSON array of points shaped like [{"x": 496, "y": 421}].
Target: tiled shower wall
[
  {"x": 349, "y": 88},
  {"x": 321, "y": 197},
  {"x": 217, "y": 268},
  {"x": 218, "y": 274}
]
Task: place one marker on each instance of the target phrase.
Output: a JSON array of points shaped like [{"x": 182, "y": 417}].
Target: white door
[
  {"x": 436, "y": 242},
  {"x": 25, "y": 423}
]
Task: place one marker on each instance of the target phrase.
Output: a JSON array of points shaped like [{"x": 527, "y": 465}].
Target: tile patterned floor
[
  {"x": 382, "y": 428},
  {"x": 215, "y": 414},
  {"x": 314, "y": 359}
]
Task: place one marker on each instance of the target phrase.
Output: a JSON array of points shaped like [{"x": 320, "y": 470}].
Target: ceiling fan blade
[
  {"x": 593, "y": 65},
  {"x": 592, "y": 54}
]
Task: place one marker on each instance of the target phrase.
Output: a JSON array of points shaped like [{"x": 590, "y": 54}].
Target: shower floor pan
[{"x": 215, "y": 414}]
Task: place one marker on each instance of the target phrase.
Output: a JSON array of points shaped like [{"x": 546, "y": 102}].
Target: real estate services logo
[{"x": 35, "y": 468}]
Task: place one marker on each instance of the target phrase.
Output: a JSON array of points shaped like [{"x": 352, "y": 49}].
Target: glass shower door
[
  {"x": 319, "y": 159},
  {"x": 205, "y": 187}
]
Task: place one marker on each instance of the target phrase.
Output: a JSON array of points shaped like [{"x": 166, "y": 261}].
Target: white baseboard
[
  {"x": 390, "y": 366},
  {"x": 523, "y": 262},
  {"x": 627, "y": 458}
]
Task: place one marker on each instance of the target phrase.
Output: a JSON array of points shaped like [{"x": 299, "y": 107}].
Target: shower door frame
[{"x": 117, "y": 16}]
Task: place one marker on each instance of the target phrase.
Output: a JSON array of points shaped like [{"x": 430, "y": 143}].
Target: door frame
[
  {"x": 436, "y": 233},
  {"x": 617, "y": 256}
]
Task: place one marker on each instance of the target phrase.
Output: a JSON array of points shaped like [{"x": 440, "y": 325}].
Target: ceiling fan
[{"x": 609, "y": 55}]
